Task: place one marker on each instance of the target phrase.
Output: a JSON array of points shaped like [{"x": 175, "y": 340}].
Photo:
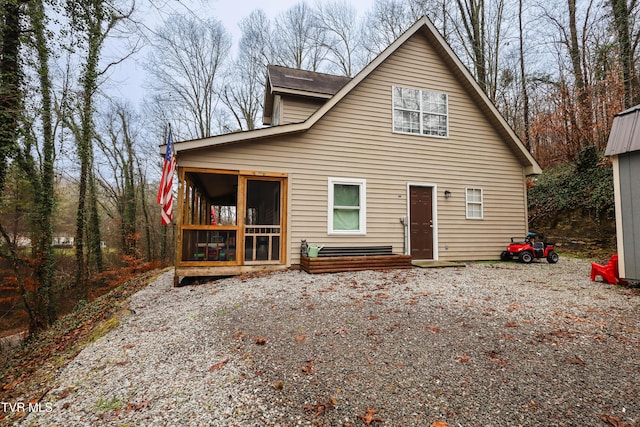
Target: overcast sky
[{"x": 126, "y": 81}]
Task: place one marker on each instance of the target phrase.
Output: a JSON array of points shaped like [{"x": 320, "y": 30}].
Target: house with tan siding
[{"x": 409, "y": 154}]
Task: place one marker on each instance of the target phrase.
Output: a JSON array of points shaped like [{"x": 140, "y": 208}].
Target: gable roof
[
  {"x": 292, "y": 81},
  {"x": 426, "y": 28},
  {"x": 625, "y": 132}
]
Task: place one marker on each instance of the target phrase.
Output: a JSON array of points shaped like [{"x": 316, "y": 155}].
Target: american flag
[{"x": 165, "y": 191}]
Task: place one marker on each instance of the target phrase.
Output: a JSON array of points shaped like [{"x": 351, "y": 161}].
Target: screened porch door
[{"x": 263, "y": 221}]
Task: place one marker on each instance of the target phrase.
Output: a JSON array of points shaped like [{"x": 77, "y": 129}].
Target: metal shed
[{"x": 623, "y": 148}]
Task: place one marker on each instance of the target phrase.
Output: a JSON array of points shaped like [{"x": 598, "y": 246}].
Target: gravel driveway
[{"x": 501, "y": 344}]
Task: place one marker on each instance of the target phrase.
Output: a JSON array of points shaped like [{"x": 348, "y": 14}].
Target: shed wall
[{"x": 629, "y": 170}]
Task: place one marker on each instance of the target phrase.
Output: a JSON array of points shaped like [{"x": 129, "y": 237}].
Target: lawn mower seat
[{"x": 539, "y": 248}]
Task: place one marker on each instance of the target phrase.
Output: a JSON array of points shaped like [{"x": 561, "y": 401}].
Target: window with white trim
[
  {"x": 474, "y": 203},
  {"x": 347, "y": 206},
  {"x": 420, "y": 111}
]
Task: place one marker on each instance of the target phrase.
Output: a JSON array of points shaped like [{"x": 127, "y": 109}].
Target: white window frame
[
  {"x": 469, "y": 202},
  {"x": 421, "y": 112},
  {"x": 362, "y": 184}
]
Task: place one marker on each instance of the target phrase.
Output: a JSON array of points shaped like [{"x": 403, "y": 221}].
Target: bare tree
[
  {"x": 523, "y": 76},
  {"x": 623, "y": 14},
  {"x": 479, "y": 28},
  {"x": 256, "y": 42},
  {"x": 243, "y": 91},
  {"x": 338, "y": 21},
  {"x": 299, "y": 42},
  {"x": 185, "y": 65},
  {"x": 573, "y": 32},
  {"x": 384, "y": 24},
  {"x": 116, "y": 141},
  {"x": 92, "y": 21}
]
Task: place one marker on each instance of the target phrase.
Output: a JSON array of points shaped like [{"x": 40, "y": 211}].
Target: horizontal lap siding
[
  {"x": 296, "y": 109},
  {"x": 354, "y": 140}
]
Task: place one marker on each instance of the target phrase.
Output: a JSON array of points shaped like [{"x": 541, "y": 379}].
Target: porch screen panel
[
  {"x": 262, "y": 220},
  {"x": 208, "y": 245}
]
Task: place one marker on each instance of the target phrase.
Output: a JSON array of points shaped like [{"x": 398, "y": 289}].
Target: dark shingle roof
[{"x": 284, "y": 79}]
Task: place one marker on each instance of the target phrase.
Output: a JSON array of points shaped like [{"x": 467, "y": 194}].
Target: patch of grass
[
  {"x": 105, "y": 405},
  {"x": 103, "y": 329}
]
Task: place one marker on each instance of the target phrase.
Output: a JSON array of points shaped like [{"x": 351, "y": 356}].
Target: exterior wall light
[{"x": 447, "y": 194}]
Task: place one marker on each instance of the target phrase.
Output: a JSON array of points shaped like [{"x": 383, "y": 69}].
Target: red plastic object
[{"x": 609, "y": 272}]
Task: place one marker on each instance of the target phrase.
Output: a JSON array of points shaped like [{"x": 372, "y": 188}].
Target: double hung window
[
  {"x": 474, "y": 203},
  {"x": 420, "y": 112},
  {"x": 347, "y": 206}
]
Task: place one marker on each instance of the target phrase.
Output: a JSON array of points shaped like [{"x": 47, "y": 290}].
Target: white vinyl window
[
  {"x": 347, "y": 206},
  {"x": 474, "y": 203},
  {"x": 420, "y": 111}
]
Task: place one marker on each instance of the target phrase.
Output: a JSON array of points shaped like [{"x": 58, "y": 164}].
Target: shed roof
[{"x": 625, "y": 132}]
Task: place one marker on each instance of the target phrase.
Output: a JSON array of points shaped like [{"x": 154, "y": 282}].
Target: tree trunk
[
  {"x": 10, "y": 78},
  {"x": 523, "y": 80},
  {"x": 94, "y": 236},
  {"x": 621, "y": 24},
  {"x": 581, "y": 134},
  {"x": 44, "y": 192},
  {"x": 130, "y": 207},
  {"x": 145, "y": 211}
]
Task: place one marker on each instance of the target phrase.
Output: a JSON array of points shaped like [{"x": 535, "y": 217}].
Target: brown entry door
[{"x": 421, "y": 225}]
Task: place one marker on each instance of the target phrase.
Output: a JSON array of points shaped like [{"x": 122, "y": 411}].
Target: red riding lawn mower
[{"x": 530, "y": 249}]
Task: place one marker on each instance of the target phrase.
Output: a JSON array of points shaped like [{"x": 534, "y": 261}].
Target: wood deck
[{"x": 336, "y": 264}]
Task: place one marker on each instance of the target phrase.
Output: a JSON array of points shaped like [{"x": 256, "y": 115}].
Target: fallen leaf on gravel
[
  {"x": 614, "y": 421},
  {"x": 497, "y": 358},
  {"x": 137, "y": 406},
  {"x": 340, "y": 331},
  {"x": 308, "y": 369},
  {"x": 218, "y": 365},
  {"x": 464, "y": 358},
  {"x": 65, "y": 393},
  {"x": 369, "y": 416},
  {"x": 575, "y": 360},
  {"x": 300, "y": 338},
  {"x": 320, "y": 408},
  {"x": 511, "y": 324},
  {"x": 260, "y": 340},
  {"x": 279, "y": 385},
  {"x": 439, "y": 424}
]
